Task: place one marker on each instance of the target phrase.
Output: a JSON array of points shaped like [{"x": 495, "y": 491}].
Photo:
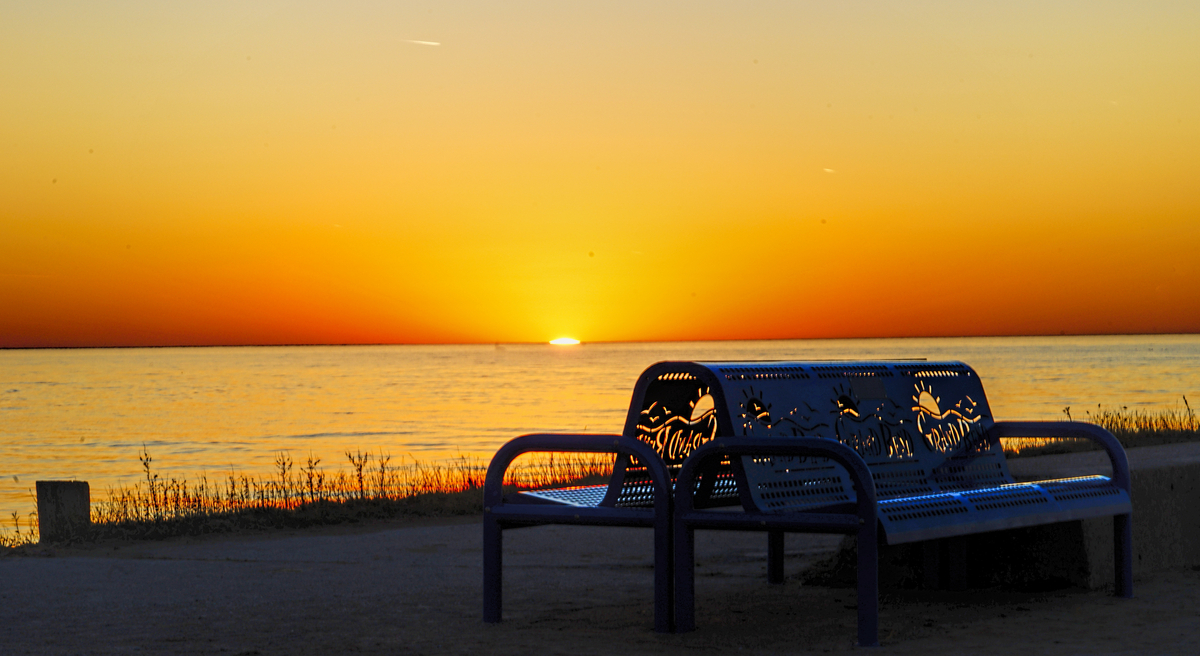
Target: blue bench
[
  {"x": 903, "y": 451},
  {"x": 892, "y": 452},
  {"x": 669, "y": 416}
]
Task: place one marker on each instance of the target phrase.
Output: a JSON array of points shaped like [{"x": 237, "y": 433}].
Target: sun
[{"x": 564, "y": 341}]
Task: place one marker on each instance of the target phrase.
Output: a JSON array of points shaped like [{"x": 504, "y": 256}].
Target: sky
[{"x": 467, "y": 171}]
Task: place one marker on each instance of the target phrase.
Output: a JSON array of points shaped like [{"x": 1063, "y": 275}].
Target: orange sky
[{"x": 321, "y": 173}]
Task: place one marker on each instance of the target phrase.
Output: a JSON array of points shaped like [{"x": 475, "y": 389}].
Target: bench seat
[
  {"x": 922, "y": 510},
  {"x": 1013, "y": 505},
  {"x": 583, "y": 496}
]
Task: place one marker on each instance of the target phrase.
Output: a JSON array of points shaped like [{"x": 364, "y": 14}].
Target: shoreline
[
  {"x": 379, "y": 501},
  {"x": 85, "y": 415}
]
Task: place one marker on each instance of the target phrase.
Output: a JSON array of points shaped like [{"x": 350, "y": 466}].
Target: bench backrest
[{"x": 921, "y": 427}]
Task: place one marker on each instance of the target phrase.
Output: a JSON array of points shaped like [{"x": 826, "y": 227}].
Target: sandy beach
[{"x": 415, "y": 588}]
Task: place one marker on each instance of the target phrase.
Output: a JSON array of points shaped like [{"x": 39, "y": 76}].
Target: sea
[{"x": 88, "y": 414}]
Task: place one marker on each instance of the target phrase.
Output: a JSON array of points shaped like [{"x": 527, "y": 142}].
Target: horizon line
[{"x": 582, "y": 342}]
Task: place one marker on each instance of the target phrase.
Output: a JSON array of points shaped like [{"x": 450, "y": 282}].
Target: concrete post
[{"x": 64, "y": 509}]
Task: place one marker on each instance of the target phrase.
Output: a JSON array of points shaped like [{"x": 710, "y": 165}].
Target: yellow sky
[{"x": 321, "y": 173}]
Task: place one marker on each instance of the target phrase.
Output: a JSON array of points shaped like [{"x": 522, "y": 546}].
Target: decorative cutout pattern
[
  {"x": 871, "y": 432},
  {"x": 922, "y": 428},
  {"x": 675, "y": 435},
  {"x": 755, "y": 413},
  {"x": 945, "y": 430}
]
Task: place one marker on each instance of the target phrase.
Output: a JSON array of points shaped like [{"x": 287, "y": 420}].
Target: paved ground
[{"x": 416, "y": 589}]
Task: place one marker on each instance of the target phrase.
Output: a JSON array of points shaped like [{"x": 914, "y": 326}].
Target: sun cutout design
[
  {"x": 944, "y": 430},
  {"x": 674, "y": 435}
]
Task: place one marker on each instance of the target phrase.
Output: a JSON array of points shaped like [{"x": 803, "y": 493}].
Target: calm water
[{"x": 85, "y": 414}]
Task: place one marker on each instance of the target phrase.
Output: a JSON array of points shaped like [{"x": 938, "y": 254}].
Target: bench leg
[
  {"x": 956, "y": 563},
  {"x": 931, "y": 564},
  {"x": 664, "y": 575},
  {"x": 685, "y": 578},
  {"x": 868, "y": 587},
  {"x": 493, "y": 551},
  {"x": 775, "y": 557},
  {"x": 1123, "y": 554}
]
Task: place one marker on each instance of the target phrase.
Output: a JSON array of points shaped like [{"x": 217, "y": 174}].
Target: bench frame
[
  {"x": 499, "y": 514},
  {"x": 862, "y": 523},
  {"x": 681, "y": 419}
]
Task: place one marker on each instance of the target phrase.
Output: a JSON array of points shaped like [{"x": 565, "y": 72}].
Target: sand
[{"x": 415, "y": 589}]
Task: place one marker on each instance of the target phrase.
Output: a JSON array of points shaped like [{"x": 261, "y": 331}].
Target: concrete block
[
  {"x": 1166, "y": 518},
  {"x": 64, "y": 510},
  {"x": 1165, "y": 483}
]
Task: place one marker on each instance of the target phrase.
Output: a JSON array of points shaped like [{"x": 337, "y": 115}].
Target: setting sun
[{"x": 564, "y": 341}]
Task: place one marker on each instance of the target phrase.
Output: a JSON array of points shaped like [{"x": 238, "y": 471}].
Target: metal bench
[
  {"x": 892, "y": 452},
  {"x": 669, "y": 416},
  {"x": 581, "y": 506}
]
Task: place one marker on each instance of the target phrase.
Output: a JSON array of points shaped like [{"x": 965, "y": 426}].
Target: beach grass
[
  {"x": 1131, "y": 427},
  {"x": 375, "y": 486},
  {"x": 369, "y": 486}
]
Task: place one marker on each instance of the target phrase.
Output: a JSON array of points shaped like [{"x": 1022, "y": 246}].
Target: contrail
[{"x": 424, "y": 43}]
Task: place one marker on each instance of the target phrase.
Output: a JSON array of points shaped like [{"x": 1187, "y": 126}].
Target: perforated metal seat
[
  {"x": 947, "y": 514},
  {"x": 589, "y": 496}
]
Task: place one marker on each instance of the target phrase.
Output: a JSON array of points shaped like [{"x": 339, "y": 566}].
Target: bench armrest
[
  {"x": 545, "y": 443},
  {"x": 848, "y": 458},
  {"x": 1071, "y": 429}
]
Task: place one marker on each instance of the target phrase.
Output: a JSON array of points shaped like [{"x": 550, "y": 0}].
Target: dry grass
[
  {"x": 376, "y": 486},
  {"x": 1133, "y": 428},
  {"x": 370, "y": 486},
  {"x": 18, "y": 537}
]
